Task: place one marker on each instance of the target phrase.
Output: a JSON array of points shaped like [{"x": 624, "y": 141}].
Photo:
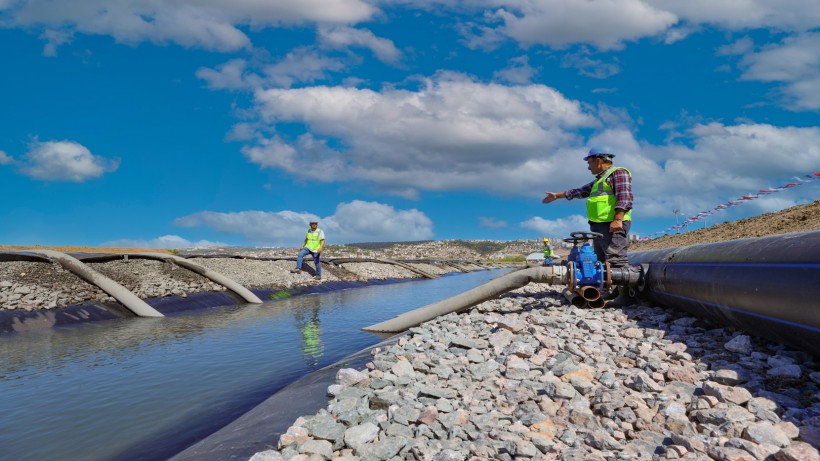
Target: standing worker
[
  {"x": 548, "y": 253},
  {"x": 609, "y": 206},
  {"x": 313, "y": 244}
]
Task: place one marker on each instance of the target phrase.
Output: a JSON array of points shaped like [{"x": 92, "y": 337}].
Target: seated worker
[{"x": 313, "y": 244}]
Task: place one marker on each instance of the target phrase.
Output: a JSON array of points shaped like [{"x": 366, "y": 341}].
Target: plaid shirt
[{"x": 620, "y": 181}]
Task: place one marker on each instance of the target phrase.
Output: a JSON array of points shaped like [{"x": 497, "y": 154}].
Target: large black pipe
[{"x": 767, "y": 286}]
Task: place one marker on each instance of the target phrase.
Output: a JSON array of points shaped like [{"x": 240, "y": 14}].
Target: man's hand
[
  {"x": 616, "y": 225},
  {"x": 551, "y": 197}
]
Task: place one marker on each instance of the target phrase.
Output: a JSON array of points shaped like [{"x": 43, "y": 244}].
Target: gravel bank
[
  {"x": 29, "y": 286},
  {"x": 527, "y": 377}
]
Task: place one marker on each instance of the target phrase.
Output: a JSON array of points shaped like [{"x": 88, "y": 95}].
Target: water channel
[{"x": 148, "y": 388}]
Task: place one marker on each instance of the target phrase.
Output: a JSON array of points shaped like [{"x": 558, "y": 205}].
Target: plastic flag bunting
[{"x": 738, "y": 201}]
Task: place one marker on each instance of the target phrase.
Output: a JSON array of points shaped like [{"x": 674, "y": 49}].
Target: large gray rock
[{"x": 357, "y": 436}]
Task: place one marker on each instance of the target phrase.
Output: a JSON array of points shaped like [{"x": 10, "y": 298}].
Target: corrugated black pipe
[{"x": 767, "y": 286}]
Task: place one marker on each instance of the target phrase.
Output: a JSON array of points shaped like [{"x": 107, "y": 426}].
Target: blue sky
[{"x": 193, "y": 122}]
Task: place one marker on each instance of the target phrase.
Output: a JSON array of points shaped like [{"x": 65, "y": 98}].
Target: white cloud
[
  {"x": 803, "y": 94},
  {"x": 165, "y": 241},
  {"x": 227, "y": 76},
  {"x": 608, "y": 24},
  {"x": 738, "y": 47},
  {"x": 605, "y": 24},
  {"x": 797, "y": 57},
  {"x": 556, "y": 227},
  {"x": 721, "y": 163},
  {"x": 492, "y": 222},
  {"x": 220, "y": 24},
  {"x": 796, "y": 62},
  {"x": 64, "y": 161},
  {"x": 5, "y": 159},
  {"x": 518, "y": 71},
  {"x": 301, "y": 65},
  {"x": 451, "y": 134},
  {"x": 346, "y": 37},
  {"x": 355, "y": 221},
  {"x": 210, "y": 24},
  {"x": 746, "y": 14},
  {"x": 53, "y": 39}
]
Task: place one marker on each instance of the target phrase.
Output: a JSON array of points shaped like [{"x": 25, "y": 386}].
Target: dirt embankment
[
  {"x": 796, "y": 219},
  {"x": 79, "y": 249}
]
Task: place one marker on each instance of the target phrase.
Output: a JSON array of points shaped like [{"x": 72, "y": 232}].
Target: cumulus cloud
[
  {"x": 609, "y": 24},
  {"x": 64, "y": 161},
  {"x": 356, "y": 221},
  {"x": 165, "y": 241},
  {"x": 738, "y": 47},
  {"x": 209, "y": 24},
  {"x": 230, "y": 75},
  {"x": 220, "y": 24},
  {"x": 556, "y": 227},
  {"x": 301, "y": 65},
  {"x": 53, "y": 39},
  {"x": 518, "y": 71},
  {"x": 452, "y": 133},
  {"x": 348, "y": 37},
  {"x": 718, "y": 162},
  {"x": 795, "y": 62},
  {"x": 605, "y": 24},
  {"x": 794, "y": 15}
]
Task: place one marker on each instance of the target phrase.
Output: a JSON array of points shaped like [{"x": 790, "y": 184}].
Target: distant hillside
[
  {"x": 383, "y": 245},
  {"x": 438, "y": 249}
]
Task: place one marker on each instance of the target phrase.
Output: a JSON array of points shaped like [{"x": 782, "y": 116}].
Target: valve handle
[
  {"x": 586, "y": 235},
  {"x": 580, "y": 236}
]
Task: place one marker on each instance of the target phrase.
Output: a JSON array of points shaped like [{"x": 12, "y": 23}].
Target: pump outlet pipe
[
  {"x": 214, "y": 276},
  {"x": 131, "y": 302},
  {"x": 491, "y": 289},
  {"x": 766, "y": 286}
]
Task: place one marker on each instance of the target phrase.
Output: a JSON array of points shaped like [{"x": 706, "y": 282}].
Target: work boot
[
  {"x": 295, "y": 270},
  {"x": 619, "y": 298}
]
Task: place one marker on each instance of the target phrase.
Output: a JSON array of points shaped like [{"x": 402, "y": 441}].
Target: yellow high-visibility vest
[
  {"x": 601, "y": 201},
  {"x": 314, "y": 240}
]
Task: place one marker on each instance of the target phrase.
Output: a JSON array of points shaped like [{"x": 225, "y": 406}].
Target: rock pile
[{"x": 525, "y": 377}]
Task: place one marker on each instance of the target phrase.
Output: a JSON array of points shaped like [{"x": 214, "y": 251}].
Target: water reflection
[{"x": 309, "y": 327}]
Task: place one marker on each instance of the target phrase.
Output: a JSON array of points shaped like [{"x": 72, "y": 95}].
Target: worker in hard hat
[
  {"x": 548, "y": 252},
  {"x": 313, "y": 244},
  {"x": 609, "y": 205}
]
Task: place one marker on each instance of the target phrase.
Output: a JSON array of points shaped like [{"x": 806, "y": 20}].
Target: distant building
[{"x": 535, "y": 259}]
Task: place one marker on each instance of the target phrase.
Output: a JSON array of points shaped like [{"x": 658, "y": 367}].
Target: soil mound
[{"x": 795, "y": 219}]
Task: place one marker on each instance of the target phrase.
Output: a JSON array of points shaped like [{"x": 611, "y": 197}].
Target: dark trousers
[
  {"x": 613, "y": 246},
  {"x": 316, "y": 261}
]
